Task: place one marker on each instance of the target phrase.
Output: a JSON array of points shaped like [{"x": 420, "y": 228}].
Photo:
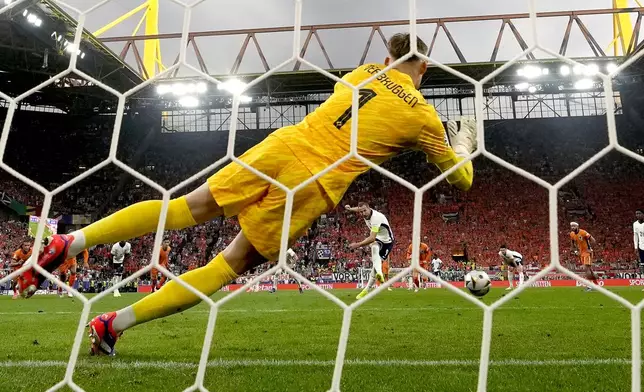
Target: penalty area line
[{"x": 229, "y": 363}]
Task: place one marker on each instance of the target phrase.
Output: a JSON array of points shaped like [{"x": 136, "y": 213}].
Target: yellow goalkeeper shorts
[{"x": 259, "y": 205}]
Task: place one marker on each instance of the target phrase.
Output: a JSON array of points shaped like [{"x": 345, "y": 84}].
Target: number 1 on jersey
[{"x": 366, "y": 95}]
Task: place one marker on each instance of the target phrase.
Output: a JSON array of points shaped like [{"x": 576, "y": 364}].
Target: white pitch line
[
  {"x": 228, "y": 363},
  {"x": 364, "y": 309}
]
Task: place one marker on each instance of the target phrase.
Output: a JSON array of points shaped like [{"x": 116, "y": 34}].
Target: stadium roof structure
[
  {"x": 35, "y": 38},
  {"x": 297, "y": 81},
  {"x": 30, "y": 55}
]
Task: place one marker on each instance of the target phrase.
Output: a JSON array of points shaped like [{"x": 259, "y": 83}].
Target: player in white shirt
[
  {"x": 638, "y": 239},
  {"x": 119, "y": 251},
  {"x": 436, "y": 265},
  {"x": 291, "y": 260},
  {"x": 381, "y": 241},
  {"x": 514, "y": 261}
]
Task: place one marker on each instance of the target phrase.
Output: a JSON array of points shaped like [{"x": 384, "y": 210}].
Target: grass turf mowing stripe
[{"x": 227, "y": 363}]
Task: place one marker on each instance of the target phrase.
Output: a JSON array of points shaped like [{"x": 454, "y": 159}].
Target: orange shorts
[
  {"x": 155, "y": 273},
  {"x": 68, "y": 265},
  {"x": 586, "y": 259},
  {"x": 259, "y": 205},
  {"x": 385, "y": 267}
]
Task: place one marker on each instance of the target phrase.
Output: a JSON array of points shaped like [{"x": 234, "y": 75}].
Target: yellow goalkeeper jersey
[{"x": 393, "y": 116}]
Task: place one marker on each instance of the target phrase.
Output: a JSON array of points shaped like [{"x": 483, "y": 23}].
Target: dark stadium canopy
[{"x": 30, "y": 54}]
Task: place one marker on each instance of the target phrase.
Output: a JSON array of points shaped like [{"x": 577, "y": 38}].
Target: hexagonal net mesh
[{"x": 418, "y": 192}]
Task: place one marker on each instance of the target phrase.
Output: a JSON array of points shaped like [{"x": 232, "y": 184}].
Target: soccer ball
[{"x": 478, "y": 283}]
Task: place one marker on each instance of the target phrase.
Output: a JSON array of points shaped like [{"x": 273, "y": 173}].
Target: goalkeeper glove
[{"x": 463, "y": 140}]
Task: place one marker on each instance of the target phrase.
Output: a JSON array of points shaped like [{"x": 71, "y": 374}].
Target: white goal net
[{"x": 348, "y": 309}]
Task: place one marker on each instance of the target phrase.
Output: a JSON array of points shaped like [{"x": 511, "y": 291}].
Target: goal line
[{"x": 228, "y": 363}]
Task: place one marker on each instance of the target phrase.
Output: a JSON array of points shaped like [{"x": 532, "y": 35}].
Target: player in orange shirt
[
  {"x": 581, "y": 242},
  {"x": 393, "y": 117},
  {"x": 164, "y": 254},
  {"x": 70, "y": 267},
  {"x": 424, "y": 257},
  {"x": 18, "y": 258}
]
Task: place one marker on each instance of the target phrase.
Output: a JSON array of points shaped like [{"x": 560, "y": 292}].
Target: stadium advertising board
[
  {"x": 495, "y": 284},
  {"x": 51, "y": 226}
]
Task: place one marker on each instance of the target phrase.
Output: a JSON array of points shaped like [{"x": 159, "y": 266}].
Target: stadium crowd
[{"x": 501, "y": 208}]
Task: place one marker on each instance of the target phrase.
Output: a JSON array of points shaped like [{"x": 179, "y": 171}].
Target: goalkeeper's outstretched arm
[
  {"x": 462, "y": 177},
  {"x": 445, "y": 156}
]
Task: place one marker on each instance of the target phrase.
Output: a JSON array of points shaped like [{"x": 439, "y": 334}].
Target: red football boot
[
  {"x": 54, "y": 254},
  {"x": 102, "y": 335}
]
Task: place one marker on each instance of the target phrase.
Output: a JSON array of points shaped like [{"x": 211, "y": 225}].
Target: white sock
[
  {"x": 77, "y": 245},
  {"x": 124, "y": 319},
  {"x": 372, "y": 280},
  {"x": 511, "y": 278},
  {"x": 375, "y": 259},
  {"x": 520, "y": 278}
]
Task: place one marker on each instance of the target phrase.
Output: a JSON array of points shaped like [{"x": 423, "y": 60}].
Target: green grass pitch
[{"x": 547, "y": 339}]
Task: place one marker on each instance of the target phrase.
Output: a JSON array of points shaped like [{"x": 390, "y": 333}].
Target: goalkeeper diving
[{"x": 394, "y": 117}]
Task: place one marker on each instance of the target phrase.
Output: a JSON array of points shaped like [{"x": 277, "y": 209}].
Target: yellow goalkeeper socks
[
  {"x": 133, "y": 221},
  {"x": 174, "y": 298}
]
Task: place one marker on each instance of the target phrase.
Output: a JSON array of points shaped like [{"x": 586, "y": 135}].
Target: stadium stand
[{"x": 517, "y": 215}]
